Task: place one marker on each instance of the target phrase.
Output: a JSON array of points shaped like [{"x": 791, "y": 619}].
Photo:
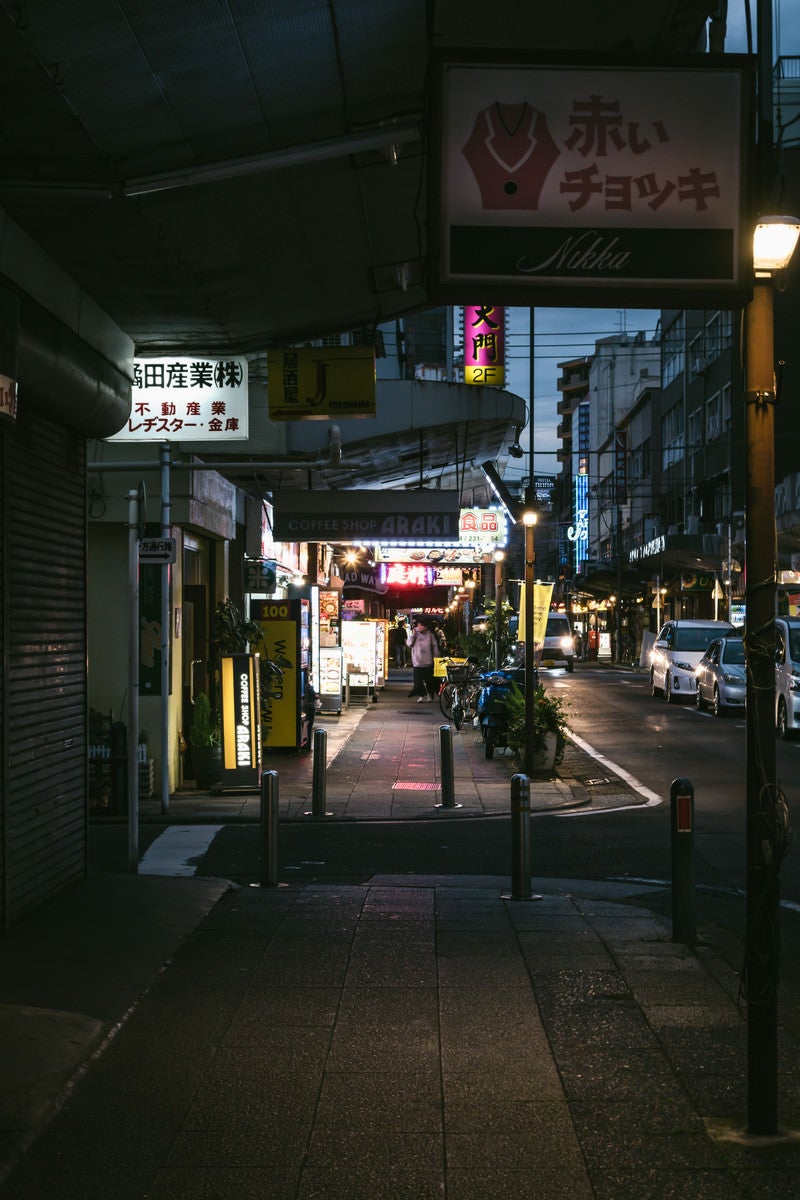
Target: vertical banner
[
  {"x": 542, "y": 595},
  {"x": 241, "y": 720},
  {"x": 484, "y": 345}
]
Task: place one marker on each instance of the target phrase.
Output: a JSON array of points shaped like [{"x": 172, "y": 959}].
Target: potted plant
[
  {"x": 550, "y": 726},
  {"x": 232, "y": 632},
  {"x": 204, "y": 739}
]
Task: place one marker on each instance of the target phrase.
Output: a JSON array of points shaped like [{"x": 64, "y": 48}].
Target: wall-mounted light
[{"x": 515, "y": 450}]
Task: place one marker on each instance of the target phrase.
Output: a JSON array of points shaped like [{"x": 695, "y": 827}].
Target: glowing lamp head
[{"x": 774, "y": 242}]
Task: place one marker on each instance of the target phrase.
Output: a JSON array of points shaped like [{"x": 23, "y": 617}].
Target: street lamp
[
  {"x": 773, "y": 245},
  {"x": 529, "y": 521}
]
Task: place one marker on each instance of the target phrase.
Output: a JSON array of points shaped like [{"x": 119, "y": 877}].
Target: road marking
[
  {"x": 651, "y": 798},
  {"x": 177, "y": 850}
]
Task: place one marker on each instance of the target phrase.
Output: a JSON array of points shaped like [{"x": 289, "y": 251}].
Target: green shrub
[
  {"x": 205, "y": 727},
  {"x": 549, "y": 716}
]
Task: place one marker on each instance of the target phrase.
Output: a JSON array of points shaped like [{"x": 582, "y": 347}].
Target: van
[
  {"x": 558, "y": 645},
  {"x": 676, "y": 652},
  {"x": 787, "y": 676}
]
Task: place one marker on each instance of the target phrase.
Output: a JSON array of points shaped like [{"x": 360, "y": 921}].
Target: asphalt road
[{"x": 613, "y": 712}]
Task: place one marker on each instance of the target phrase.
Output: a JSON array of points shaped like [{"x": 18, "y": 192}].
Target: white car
[
  {"x": 787, "y": 676},
  {"x": 559, "y": 644},
  {"x": 676, "y": 652},
  {"x": 722, "y": 676}
]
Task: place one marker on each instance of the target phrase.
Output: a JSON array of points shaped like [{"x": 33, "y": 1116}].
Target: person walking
[
  {"x": 423, "y": 648},
  {"x": 398, "y": 648}
]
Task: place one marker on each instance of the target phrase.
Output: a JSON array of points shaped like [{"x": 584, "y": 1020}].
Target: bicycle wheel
[
  {"x": 446, "y": 698},
  {"x": 471, "y": 694},
  {"x": 458, "y": 712}
]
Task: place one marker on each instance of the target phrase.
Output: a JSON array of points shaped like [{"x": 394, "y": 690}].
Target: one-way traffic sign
[{"x": 157, "y": 550}]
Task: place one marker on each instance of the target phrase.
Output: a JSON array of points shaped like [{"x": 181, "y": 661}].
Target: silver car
[{"x": 721, "y": 678}]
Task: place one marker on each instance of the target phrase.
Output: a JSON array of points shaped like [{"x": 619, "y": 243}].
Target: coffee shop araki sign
[{"x": 575, "y": 182}]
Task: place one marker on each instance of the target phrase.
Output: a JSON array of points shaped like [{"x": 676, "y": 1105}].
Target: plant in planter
[
  {"x": 204, "y": 739},
  {"x": 550, "y": 724},
  {"x": 232, "y": 632}
]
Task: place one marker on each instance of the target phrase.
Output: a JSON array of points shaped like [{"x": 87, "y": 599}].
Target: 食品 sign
[{"x": 564, "y": 183}]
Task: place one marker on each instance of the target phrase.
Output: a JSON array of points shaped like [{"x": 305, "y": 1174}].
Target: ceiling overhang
[{"x": 227, "y": 177}]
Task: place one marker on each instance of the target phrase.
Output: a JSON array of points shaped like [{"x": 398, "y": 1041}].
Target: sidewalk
[
  {"x": 384, "y": 763},
  {"x": 414, "y": 1037}
]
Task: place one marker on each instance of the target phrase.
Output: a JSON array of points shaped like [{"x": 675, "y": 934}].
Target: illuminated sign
[
  {"x": 241, "y": 720},
  {"x": 557, "y": 174},
  {"x": 313, "y": 383},
  {"x": 187, "y": 400},
  {"x": 578, "y": 533},
  {"x": 398, "y": 574},
  {"x": 454, "y": 556},
  {"x": 484, "y": 345},
  {"x": 483, "y": 525},
  {"x": 260, "y": 575}
]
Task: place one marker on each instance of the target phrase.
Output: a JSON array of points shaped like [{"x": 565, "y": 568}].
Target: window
[
  {"x": 640, "y": 462},
  {"x": 671, "y": 437},
  {"x": 714, "y": 336},
  {"x": 727, "y": 412},
  {"x": 695, "y": 430},
  {"x": 714, "y": 416},
  {"x": 672, "y": 352},
  {"x": 726, "y": 327}
]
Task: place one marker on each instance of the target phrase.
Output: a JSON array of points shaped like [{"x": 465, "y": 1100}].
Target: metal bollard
[
  {"x": 446, "y": 757},
  {"x": 520, "y": 838},
  {"x": 269, "y": 829},
  {"x": 319, "y": 779},
  {"x": 684, "y": 914}
]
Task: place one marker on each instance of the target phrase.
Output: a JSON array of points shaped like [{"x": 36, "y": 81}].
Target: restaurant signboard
[{"x": 565, "y": 182}]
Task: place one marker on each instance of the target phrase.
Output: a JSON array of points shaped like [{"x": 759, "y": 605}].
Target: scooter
[{"x": 492, "y": 703}]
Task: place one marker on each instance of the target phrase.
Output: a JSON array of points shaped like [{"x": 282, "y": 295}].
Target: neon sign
[
  {"x": 399, "y": 574},
  {"x": 579, "y": 532}
]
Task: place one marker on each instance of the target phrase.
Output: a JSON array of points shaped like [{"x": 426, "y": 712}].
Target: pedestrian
[
  {"x": 397, "y": 645},
  {"x": 423, "y": 648},
  {"x": 441, "y": 640}
]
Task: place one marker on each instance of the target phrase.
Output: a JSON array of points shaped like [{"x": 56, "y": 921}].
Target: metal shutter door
[{"x": 44, "y": 702}]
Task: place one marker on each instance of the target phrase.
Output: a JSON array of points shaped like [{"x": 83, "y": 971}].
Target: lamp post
[
  {"x": 773, "y": 245},
  {"x": 529, "y": 521},
  {"x": 499, "y": 594}
]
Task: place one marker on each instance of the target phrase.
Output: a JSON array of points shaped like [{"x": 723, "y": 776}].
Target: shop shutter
[{"x": 43, "y": 694}]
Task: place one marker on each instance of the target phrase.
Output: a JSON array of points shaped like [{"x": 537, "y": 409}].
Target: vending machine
[
  {"x": 285, "y": 664},
  {"x": 365, "y": 649}
]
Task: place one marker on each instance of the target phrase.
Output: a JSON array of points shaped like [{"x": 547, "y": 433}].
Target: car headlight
[
  {"x": 566, "y": 645},
  {"x": 684, "y": 667},
  {"x": 794, "y": 682},
  {"x": 732, "y": 678}
]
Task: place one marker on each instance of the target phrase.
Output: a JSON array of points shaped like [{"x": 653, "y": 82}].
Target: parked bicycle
[{"x": 458, "y": 697}]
